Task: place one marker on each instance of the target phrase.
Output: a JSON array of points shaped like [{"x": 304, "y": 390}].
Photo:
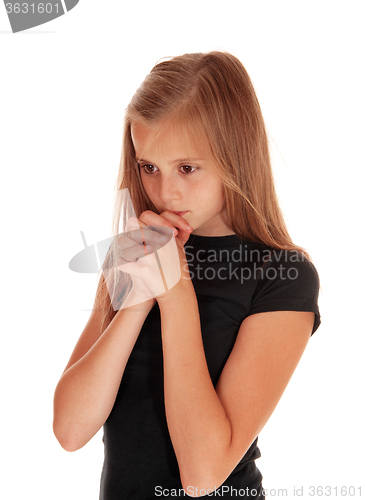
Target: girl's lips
[{"x": 181, "y": 213}]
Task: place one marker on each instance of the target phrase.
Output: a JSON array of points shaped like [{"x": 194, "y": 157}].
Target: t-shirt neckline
[{"x": 216, "y": 241}]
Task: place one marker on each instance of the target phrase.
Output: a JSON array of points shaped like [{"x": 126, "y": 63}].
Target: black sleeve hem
[{"x": 299, "y": 305}]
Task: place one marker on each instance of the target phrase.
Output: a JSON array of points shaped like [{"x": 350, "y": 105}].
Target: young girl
[{"x": 184, "y": 377}]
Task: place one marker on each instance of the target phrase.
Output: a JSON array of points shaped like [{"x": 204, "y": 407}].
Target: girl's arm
[
  {"x": 211, "y": 429},
  {"x": 86, "y": 392}
]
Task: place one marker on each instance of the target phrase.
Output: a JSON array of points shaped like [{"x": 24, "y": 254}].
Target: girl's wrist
[
  {"x": 139, "y": 300},
  {"x": 181, "y": 290}
]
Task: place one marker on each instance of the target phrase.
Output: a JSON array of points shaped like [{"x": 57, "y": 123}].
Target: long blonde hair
[{"x": 212, "y": 96}]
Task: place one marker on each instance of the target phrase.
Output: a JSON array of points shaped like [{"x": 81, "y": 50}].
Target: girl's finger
[
  {"x": 147, "y": 234},
  {"x": 145, "y": 231},
  {"x": 178, "y": 221},
  {"x": 132, "y": 224},
  {"x": 168, "y": 219},
  {"x": 152, "y": 219},
  {"x": 125, "y": 242},
  {"x": 131, "y": 254},
  {"x": 184, "y": 229}
]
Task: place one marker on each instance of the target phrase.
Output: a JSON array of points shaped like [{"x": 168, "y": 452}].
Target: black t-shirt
[{"x": 233, "y": 279}]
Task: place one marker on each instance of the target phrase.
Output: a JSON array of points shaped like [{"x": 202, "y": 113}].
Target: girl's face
[{"x": 179, "y": 178}]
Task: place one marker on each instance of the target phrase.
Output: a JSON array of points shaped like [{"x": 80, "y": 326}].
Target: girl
[{"x": 183, "y": 378}]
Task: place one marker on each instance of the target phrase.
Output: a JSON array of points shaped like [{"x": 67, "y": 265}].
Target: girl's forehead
[{"x": 168, "y": 137}]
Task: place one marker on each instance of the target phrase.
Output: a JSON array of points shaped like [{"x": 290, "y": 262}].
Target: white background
[{"x": 63, "y": 90}]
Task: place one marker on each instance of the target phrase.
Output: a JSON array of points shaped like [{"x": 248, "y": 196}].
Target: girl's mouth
[{"x": 180, "y": 213}]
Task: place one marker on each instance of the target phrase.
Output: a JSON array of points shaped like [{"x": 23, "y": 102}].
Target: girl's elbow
[
  {"x": 69, "y": 441},
  {"x": 200, "y": 489},
  {"x": 68, "y": 445},
  {"x": 200, "y": 485},
  {"x": 207, "y": 475}
]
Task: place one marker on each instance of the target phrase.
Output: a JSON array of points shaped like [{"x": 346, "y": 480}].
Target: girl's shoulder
[{"x": 285, "y": 280}]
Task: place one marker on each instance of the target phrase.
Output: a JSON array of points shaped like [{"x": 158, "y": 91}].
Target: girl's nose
[{"x": 169, "y": 190}]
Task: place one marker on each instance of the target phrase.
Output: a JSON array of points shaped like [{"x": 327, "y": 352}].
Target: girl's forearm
[
  {"x": 199, "y": 428},
  {"x": 86, "y": 392}
]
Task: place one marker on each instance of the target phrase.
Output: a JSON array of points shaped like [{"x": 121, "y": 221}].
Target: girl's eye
[
  {"x": 187, "y": 169},
  {"x": 149, "y": 169}
]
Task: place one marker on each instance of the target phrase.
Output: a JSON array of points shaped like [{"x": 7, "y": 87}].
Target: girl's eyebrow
[{"x": 180, "y": 160}]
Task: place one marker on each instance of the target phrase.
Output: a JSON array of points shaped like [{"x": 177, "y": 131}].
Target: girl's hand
[{"x": 151, "y": 254}]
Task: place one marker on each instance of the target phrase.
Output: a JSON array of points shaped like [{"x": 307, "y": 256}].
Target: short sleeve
[{"x": 286, "y": 281}]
